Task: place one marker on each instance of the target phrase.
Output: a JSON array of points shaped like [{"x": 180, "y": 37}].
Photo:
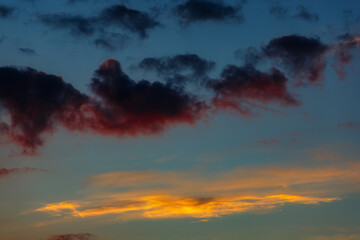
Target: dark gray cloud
[
  {"x": 6, "y": 11},
  {"x": 76, "y": 24},
  {"x": 179, "y": 69},
  {"x": 239, "y": 86},
  {"x": 204, "y": 10},
  {"x": 28, "y": 51},
  {"x": 305, "y": 14},
  {"x": 130, "y": 19},
  {"x": 111, "y": 41},
  {"x": 279, "y": 12},
  {"x": 36, "y": 103},
  {"x": 302, "y": 57},
  {"x": 100, "y": 27},
  {"x": 129, "y": 108}
]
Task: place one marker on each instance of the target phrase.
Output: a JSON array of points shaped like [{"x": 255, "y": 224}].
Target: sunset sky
[{"x": 179, "y": 120}]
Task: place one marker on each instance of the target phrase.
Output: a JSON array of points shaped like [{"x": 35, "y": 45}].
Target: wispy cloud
[
  {"x": 170, "y": 194},
  {"x": 9, "y": 171}
]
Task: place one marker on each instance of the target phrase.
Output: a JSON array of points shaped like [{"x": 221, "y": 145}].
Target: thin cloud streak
[{"x": 154, "y": 194}]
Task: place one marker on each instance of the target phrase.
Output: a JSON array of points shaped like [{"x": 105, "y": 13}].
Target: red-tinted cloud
[
  {"x": 77, "y": 236},
  {"x": 128, "y": 107},
  {"x": 239, "y": 85},
  {"x": 352, "y": 125},
  {"x": 36, "y": 102},
  {"x": 301, "y": 56},
  {"x": 8, "y": 171}
]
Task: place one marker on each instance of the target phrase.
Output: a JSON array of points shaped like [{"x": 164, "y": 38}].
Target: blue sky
[{"x": 198, "y": 119}]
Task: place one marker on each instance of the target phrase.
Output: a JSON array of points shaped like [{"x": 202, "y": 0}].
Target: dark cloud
[
  {"x": 129, "y": 107},
  {"x": 36, "y": 102},
  {"x": 75, "y": 1},
  {"x": 302, "y": 57},
  {"x": 100, "y": 26},
  {"x": 351, "y": 125},
  {"x": 343, "y": 53},
  {"x": 111, "y": 41},
  {"x": 5, "y": 11},
  {"x": 9, "y": 171},
  {"x": 204, "y": 10},
  {"x": 238, "y": 87},
  {"x": 250, "y": 56},
  {"x": 304, "y": 14},
  {"x": 179, "y": 69},
  {"x": 279, "y": 12},
  {"x": 130, "y": 19},
  {"x": 77, "y": 236},
  {"x": 76, "y": 24},
  {"x": 28, "y": 51}
]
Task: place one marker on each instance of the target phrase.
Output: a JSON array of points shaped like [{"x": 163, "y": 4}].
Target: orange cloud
[
  {"x": 156, "y": 207},
  {"x": 154, "y": 194}
]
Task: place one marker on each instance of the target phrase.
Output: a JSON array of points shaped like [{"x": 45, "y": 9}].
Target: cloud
[
  {"x": 180, "y": 68},
  {"x": 130, "y": 19},
  {"x": 352, "y": 125},
  {"x": 279, "y": 12},
  {"x": 36, "y": 102},
  {"x": 9, "y": 171},
  {"x": 153, "y": 194},
  {"x": 76, "y": 236},
  {"x": 193, "y": 11},
  {"x": 121, "y": 106},
  {"x": 239, "y": 85},
  {"x": 28, "y": 51},
  {"x": 337, "y": 237},
  {"x": 5, "y": 11},
  {"x": 304, "y": 14},
  {"x": 100, "y": 27},
  {"x": 129, "y": 107},
  {"x": 343, "y": 53},
  {"x": 111, "y": 41},
  {"x": 301, "y": 56},
  {"x": 77, "y": 24}
]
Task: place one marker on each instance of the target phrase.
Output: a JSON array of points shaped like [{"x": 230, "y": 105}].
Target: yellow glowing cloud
[
  {"x": 165, "y": 194},
  {"x": 155, "y": 207}
]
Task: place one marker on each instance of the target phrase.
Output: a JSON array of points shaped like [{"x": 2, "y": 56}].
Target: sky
[{"x": 183, "y": 119}]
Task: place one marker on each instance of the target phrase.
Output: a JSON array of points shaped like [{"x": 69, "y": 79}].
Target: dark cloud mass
[
  {"x": 302, "y": 57},
  {"x": 205, "y": 10},
  {"x": 240, "y": 85},
  {"x": 35, "y": 102},
  {"x": 129, "y": 107},
  {"x": 76, "y": 236},
  {"x": 129, "y": 19},
  {"x": 6, "y": 11},
  {"x": 180, "y": 68}
]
